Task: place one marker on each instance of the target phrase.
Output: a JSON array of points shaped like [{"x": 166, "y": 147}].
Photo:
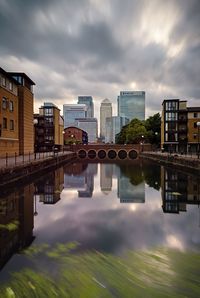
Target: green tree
[{"x": 153, "y": 127}]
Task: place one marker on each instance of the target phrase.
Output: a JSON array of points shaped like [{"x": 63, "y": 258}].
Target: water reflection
[
  {"x": 178, "y": 190},
  {"x": 104, "y": 223},
  {"x": 16, "y": 222}
]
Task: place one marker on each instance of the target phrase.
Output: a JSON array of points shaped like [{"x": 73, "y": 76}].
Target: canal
[{"x": 102, "y": 230}]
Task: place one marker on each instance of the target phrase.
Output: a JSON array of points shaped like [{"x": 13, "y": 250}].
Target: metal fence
[{"x": 8, "y": 161}]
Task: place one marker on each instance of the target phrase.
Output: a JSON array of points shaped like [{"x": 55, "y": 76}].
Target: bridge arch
[
  {"x": 102, "y": 154},
  {"x": 106, "y": 152}
]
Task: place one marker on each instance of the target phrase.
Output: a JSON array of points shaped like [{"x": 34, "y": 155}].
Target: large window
[
  {"x": 48, "y": 112},
  {"x": 4, "y": 103},
  {"x": 11, "y": 124},
  {"x": 10, "y": 86},
  {"x": 5, "y": 123},
  {"x": 171, "y": 105},
  {"x": 170, "y": 116},
  {"x": 11, "y": 106},
  {"x": 4, "y": 81}
]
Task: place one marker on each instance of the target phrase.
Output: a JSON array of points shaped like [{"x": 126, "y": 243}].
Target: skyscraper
[
  {"x": 90, "y": 125},
  {"x": 105, "y": 112},
  {"x": 113, "y": 126},
  {"x": 73, "y": 111},
  {"x": 88, "y": 101},
  {"x": 131, "y": 104}
]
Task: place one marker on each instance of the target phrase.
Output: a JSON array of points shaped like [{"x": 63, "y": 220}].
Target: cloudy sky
[{"x": 100, "y": 47}]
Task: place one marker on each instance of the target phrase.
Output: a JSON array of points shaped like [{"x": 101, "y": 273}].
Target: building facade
[
  {"x": 105, "y": 112},
  {"x": 16, "y": 114},
  {"x": 179, "y": 132},
  {"x": 49, "y": 126},
  {"x": 90, "y": 125},
  {"x": 26, "y": 129},
  {"x": 72, "y": 112},
  {"x": 131, "y": 104},
  {"x": 88, "y": 101},
  {"x": 75, "y": 135}
]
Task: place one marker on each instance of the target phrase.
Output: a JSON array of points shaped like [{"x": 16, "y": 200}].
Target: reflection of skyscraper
[
  {"x": 81, "y": 178},
  {"x": 131, "y": 186},
  {"x": 16, "y": 209},
  {"x": 106, "y": 172},
  {"x": 49, "y": 188},
  {"x": 178, "y": 190}
]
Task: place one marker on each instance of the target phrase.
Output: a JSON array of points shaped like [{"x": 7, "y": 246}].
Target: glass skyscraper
[
  {"x": 88, "y": 101},
  {"x": 131, "y": 104},
  {"x": 73, "y": 111}
]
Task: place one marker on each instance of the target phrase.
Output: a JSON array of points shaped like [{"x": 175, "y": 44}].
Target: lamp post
[
  {"x": 142, "y": 142},
  {"x": 198, "y": 149}
]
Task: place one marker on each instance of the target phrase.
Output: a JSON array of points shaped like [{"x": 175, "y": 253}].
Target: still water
[{"x": 102, "y": 230}]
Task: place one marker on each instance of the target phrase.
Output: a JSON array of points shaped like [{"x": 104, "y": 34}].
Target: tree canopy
[{"x": 137, "y": 131}]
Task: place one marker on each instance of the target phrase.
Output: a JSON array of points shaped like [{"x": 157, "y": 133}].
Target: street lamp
[{"x": 198, "y": 126}]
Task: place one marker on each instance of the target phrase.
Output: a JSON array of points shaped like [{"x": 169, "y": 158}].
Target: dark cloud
[{"x": 101, "y": 47}]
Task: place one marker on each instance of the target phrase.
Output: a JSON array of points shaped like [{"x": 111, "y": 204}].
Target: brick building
[{"x": 75, "y": 135}]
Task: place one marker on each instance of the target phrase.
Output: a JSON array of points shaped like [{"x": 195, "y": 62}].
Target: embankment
[
  {"x": 22, "y": 172},
  {"x": 177, "y": 161}
]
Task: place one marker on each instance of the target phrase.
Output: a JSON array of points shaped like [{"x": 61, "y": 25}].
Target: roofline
[
  {"x": 22, "y": 74},
  {"x": 7, "y": 74}
]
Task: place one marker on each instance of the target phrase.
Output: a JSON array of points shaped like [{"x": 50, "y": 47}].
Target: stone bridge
[{"x": 106, "y": 151}]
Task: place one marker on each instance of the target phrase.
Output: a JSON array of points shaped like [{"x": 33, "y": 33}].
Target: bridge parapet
[{"x": 106, "y": 151}]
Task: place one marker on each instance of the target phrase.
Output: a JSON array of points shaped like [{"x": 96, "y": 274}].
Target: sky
[{"x": 101, "y": 47}]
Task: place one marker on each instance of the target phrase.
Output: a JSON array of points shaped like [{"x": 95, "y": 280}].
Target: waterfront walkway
[{"x": 26, "y": 159}]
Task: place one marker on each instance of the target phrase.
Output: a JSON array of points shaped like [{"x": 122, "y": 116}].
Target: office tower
[
  {"x": 90, "y": 125},
  {"x": 113, "y": 127},
  {"x": 88, "y": 101},
  {"x": 105, "y": 112},
  {"x": 131, "y": 104},
  {"x": 49, "y": 127},
  {"x": 73, "y": 111},
  {"x": 179, "y": 131}
]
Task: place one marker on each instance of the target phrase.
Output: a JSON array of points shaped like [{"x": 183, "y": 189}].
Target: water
[{"x": 72, "y": 231}]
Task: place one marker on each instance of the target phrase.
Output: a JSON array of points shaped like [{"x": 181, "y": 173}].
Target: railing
[{"x": 8, "y": 161}]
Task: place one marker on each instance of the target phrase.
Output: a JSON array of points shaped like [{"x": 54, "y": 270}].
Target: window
[
  {"x": 48, "y": 112},
  {"x": 4, "y": 81},
  {"x": 11, "y": 106},
  {"x": 195, "y": 124},
  {"x": 195, "y": 115},
  {"x": 170, "y": 116},
  {"x": 11, "y": 86},
  {"x": 11, "y": 124},
  {"x": 171, "y": 105},
  {"x": 5, "y": 123},
  {"x": 4, "y": 103},
  {"x": 194, "y": 136}
]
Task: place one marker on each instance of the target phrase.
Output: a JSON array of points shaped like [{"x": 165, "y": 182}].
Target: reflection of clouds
[
  {"x": 105, "y": 224},
  {"x": 111, "y": 226},
  {"x": 174, "y": 242}
]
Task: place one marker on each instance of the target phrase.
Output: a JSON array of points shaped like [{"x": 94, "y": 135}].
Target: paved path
[
  {"x": 25, "y": 159},
  {"x": 186, "y": 156}
]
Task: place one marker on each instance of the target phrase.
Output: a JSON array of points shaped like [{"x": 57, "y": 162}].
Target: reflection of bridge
[{"x": 106, "y": 151}]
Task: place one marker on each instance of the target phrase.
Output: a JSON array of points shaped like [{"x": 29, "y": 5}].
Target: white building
[
  {"x": 105, "y": 112},
  {"x": 113, "y": 126},
  {"x": 72, "y": 112}
]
